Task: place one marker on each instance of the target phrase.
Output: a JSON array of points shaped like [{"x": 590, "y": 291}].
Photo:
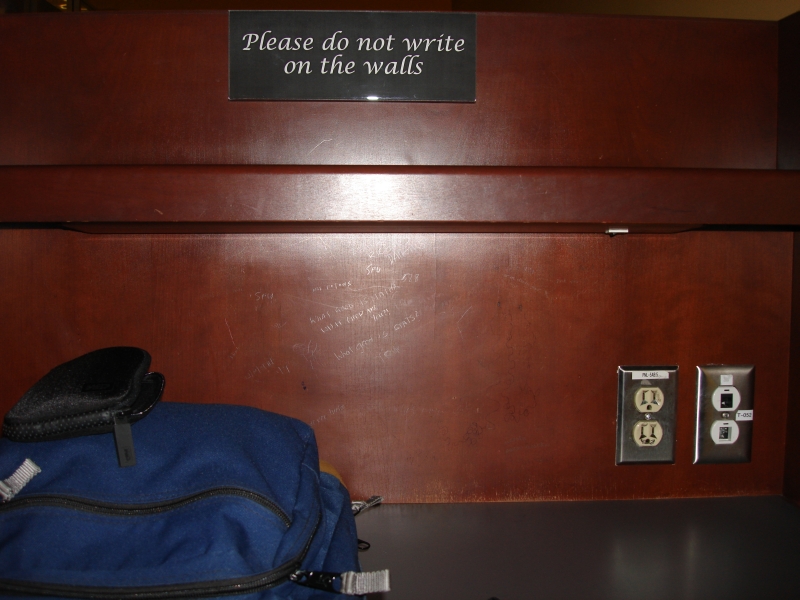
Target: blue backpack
[{"x": 222, "y": 500}]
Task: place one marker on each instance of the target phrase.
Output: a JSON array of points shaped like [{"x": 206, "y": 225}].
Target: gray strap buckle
[
  {"x": 19, "y": 479},
  {"x": 360, "y": 505}
]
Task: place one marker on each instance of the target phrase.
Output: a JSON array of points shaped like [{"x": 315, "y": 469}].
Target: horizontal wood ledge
[{"x": 320, "y": 198}]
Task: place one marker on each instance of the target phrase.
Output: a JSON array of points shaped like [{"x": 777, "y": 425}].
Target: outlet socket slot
[
  {"x": 647, "y": 434},
  {"x": 649, "y": 399}
]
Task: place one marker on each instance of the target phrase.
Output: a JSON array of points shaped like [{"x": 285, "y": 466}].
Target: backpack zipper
[
  {"x": 241, "y": 585},
  {"x": 206, "y": 589},
  {"x": 132, "y": 510}
]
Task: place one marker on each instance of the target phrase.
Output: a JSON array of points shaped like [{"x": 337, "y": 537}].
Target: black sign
[{"x": 309, "y": 55}]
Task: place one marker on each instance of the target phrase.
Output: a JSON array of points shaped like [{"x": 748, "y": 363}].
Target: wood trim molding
[{"x": 217, "y": 198}]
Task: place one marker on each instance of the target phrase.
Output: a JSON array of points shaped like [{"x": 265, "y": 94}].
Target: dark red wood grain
[
  {"x": 445, "y": 199},
  {"x": 553, "y": 90},
  {"x": 433, "y": 367},
  {"x": 435, "y": 363}
]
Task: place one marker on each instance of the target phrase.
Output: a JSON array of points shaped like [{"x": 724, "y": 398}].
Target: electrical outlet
[
  {"x": 724, "y": 431},
  {"x": 649, "y": 399},
  {"x": 647, "y": 433},
  {"x": 646, "y": 399}
]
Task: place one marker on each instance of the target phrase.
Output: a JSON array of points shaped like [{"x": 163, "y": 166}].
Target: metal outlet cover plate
[
  {"x": 724, "y": 431},
  {"x": 646, "y": 402}
]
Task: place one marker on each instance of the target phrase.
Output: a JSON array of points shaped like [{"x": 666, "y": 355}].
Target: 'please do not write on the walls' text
[{"x": 338, "y": 44}]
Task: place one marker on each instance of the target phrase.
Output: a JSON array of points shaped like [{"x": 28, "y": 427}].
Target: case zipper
[
  {"x": 130, "y": 510},
  {"x": 204, "y": 589}
]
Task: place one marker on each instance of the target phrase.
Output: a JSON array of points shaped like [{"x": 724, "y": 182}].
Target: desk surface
[{"x": 743, "y": 547}]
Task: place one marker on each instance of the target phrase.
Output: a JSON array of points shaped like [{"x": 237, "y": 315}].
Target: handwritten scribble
[
  {"x": 308, "y": 351},
  {"x": 314, "y": 319},
  {"x": 331, "y": 412},
  {"x": 407, "y": 320},
  {"x": 512, "y": 413},
  {"x": 318, "y": 145},
  {"x": 331, "y": 326},
  {"x": 230, "y": 333},
  {"x": 458, "y": 323},
  {"x": 475, "y": 431},
  {"x": 267, "y": 367}
]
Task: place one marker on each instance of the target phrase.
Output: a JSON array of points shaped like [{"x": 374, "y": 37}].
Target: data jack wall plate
[
  {"x": 646, "y": 401},
  {"x": 724, "y": 432}
]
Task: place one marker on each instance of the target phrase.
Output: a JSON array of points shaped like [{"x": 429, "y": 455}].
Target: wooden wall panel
[
  {"x": 553, "y": 90},
  {"x": 434, "y": 367}
]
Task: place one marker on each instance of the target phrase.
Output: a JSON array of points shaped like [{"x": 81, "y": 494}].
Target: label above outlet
[{"x": 639, "y": 375}]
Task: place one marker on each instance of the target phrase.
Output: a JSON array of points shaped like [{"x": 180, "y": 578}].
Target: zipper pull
[
  {"x": 350, "y": 583},
  {"x": 152, "y": 388},
  {"x": 123, "y": 438},
  {"x": 320, "y": 580}
]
